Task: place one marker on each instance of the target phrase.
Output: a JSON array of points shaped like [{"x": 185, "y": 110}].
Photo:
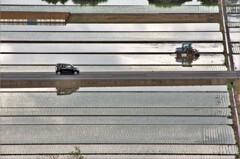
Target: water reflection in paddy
[
  {"x": 61, "y": 149},
  {"x": 116, "y": 27},
  {"x": 111, "y": 36},
  {"x": 117, "y": 134},
  {"x": 232, "y": 1},
  {"x": 198, "y": 104},
  {"x": 116, "y": 120},
  {"x": 115, "y": 68},
  {"x": 116, "y": 99},
  {"x": 234, "y": 29},
  {"x": 236, "y": 48},
  {"x": 41, "y": 117},
  {"x": 209, "y": 59},
  {"x": 78, "y": 111},
  {"x": 227, "y": 151},
  {"x": 94, "y": 47},
  {"x": 236, "y": 59},
  {"x": 234, "y": 18},
  {"x": 220, "y": 88},
  {"x": 235, "y": 37}
]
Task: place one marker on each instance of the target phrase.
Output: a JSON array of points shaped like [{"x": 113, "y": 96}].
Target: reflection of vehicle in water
[
  {"x": 186, "y": 54},
  {"x": 66, "y": 88},
  {"x": 66, "y": 91}
]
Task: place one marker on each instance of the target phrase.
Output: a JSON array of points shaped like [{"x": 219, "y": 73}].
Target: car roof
[
  {"x": 63, "y": 64},
  {"x": 187, "y": 43}
]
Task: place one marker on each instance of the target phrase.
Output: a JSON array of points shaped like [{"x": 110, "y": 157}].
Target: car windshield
[{"x": 69, "y": 66}]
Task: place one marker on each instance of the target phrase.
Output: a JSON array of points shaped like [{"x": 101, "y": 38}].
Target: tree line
[
  {"x": 169, "y": 3},
  {"x": 165, "y": 3},
  {"x": 80, "y": 2}
]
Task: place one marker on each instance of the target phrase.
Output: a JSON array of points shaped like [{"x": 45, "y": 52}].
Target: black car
[{"x": 62, "y": 68}]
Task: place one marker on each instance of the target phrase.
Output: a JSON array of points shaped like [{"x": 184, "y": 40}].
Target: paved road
[{"x": 122, "y": 75}]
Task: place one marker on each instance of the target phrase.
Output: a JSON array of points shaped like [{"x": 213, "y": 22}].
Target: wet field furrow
[
  {"x": 164, "y": 60},
  {"x": 116, "y": 120},
  {"x": 122, "y": 149},
  {"x": 236, "y": 48},
  {"x": 147, "y": 111},
  {"x": 150, "y": 99},
  {"x": 188, "y": 128},
  {"x": 117, "y": 134},
  {"x": 234, "y": 25},
  {"x": 129, "y": 156}
]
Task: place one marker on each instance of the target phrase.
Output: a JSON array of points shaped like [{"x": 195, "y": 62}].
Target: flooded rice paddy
[
  {"x": 218, "y": 88},
  {"x": 122, "y": 99},
  {"x": 235, "y": 37},
  {"x": 233, "y": 1},
  {"x": 236, "y": 48},
  {"x": 164, "y": 60},
  {"x": 69, "y": 48},
  {"x": 236, "y": 62},
  {"x": 208, "y": 59},
  {"x": 234, "y": 18},
  {"x": 114, "y": 120},
  {"x": 227, "y": 150},
  {"x": 121, "y": 134},
  {"x": 116, "y": 27},
  {"x": 139, "y": 157},
  {"x": 158, "y": 111},
  {"x": 198, "y": 117},
  {"x": 111, "y": 36},
  {"x": 172, "y": 122}
]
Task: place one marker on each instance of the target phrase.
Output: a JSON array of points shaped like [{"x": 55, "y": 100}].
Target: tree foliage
[
  {"x": 209, "y": 2},
  {"x": 55, "y": 1},
  {"x": 76, "y": 154},
  {"x": 169, "y": 3},
  {"x": 88, "y": 2},
  {"x": 164, "y": 3}
]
